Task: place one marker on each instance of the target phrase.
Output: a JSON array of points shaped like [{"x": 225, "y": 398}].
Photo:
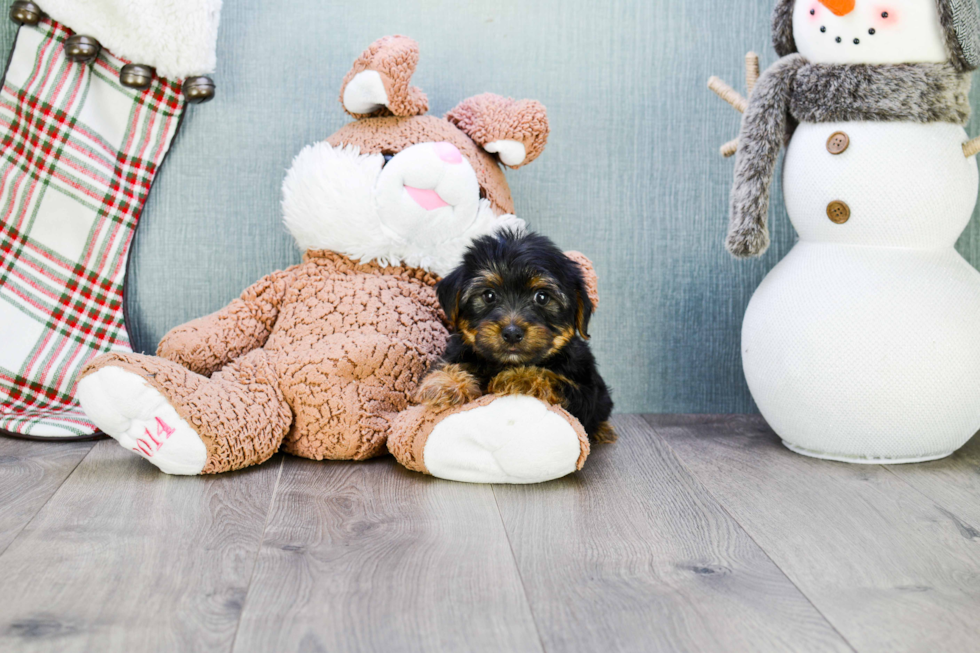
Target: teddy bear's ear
[
  {"x": 515, "y": 130},
  {"x": 378, "y": 83}
]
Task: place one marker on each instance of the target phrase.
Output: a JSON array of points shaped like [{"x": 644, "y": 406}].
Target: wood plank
[
  {"x": 890, "y": 569},
  {"x": 953, "y": 483},
  {"x": 127, "y": 558},
  {"x": 371, "y": 557},
  {"x": 633, "y": 554},
  {"x": 30, "y": 472}
]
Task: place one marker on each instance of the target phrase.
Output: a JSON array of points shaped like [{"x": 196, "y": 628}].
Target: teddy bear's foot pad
[
  {"x": 514, "y": 439},
  {"x": 141, "y": 419}
]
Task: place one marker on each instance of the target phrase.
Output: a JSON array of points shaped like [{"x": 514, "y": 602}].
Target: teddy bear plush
[{"x": 321, "y": 359}]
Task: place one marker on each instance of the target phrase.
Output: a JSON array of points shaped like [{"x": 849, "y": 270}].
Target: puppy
[{"x": 519, "y": 314}]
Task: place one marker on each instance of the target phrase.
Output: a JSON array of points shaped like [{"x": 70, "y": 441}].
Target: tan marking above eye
[{"x": 491, "y": 277}]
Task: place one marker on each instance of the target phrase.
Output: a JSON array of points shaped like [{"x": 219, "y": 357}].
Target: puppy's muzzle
[{"x": 512, "y": 334}]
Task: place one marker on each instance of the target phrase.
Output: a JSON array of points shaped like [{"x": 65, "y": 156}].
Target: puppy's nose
[
  {"x": 448, "y": 152},
  {"x": 513, "y": 334}
]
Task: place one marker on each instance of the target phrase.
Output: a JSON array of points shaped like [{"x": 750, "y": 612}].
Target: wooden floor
[{"x": 692, "y": 533}]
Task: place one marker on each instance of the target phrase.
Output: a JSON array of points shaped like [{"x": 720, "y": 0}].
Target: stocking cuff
[{"x": 177, "y": 37}]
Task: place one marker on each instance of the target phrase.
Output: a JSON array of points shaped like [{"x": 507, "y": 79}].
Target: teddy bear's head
[
  {"x": 399, "y": 187},
  {"x": 879, "y": 31}
]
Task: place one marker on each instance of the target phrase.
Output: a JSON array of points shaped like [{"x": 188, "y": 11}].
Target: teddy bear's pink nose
[{"x": 448, "y": 152}]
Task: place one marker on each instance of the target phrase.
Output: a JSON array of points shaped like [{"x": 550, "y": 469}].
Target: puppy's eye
[
  {"x": 541, "y": 298},
  {"x": 489, "y": 296}
]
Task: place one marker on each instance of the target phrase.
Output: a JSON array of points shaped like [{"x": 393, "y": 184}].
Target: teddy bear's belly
[
  {"x": 358, "y": 306},
  {"x": 349, "y": 352},
  {"x": 866, "y": 351}
]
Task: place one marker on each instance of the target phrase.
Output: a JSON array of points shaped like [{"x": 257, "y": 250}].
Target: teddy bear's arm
[{"x": 207, "y": 344}]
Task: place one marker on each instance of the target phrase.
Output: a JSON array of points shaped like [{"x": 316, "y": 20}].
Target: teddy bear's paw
[
  {"x": 513, "y": 439},
  {"x": 139, "y": 418}
]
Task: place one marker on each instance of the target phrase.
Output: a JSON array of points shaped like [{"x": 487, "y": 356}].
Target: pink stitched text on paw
[{"x": 164, "y": 431}]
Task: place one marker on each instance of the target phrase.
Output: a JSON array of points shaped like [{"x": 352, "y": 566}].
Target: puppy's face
[{"x": 519, "y": 303}]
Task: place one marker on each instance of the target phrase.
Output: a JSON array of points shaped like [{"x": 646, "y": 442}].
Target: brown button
[
  {"x": 838, "y": 142},
  {"x": 838, "y": 212}
]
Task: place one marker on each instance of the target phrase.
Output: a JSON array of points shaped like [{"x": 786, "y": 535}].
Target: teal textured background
[{"x": 631, "y": 175}]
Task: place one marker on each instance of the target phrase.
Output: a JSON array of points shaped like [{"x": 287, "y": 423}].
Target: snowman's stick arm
[
  {"x": 728, "y": 94},
  {"x": 734, "y": 98},
  {"x": 729, "y": 148},
  {"x": 971, "y": 147},
  {"x": 751, "y": 72}
]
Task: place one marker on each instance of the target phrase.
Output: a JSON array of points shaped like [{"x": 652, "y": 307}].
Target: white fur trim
[
  {"x": 365, "y": 93},
  {"x": 510, "y": 152},
  {"x": 512, "y": 440},
  {"x": 330, "y": 201},
  {"x": 141, "y": 420},
  {"x": 177, "y": 37}
]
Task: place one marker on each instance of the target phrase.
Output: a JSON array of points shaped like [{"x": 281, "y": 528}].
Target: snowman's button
[
  {"x": 838, "y": 212},
  {"x": 838, "y": 142}
]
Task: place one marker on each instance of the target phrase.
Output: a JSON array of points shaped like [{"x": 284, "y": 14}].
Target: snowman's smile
[{"x": 842, "y": 8}]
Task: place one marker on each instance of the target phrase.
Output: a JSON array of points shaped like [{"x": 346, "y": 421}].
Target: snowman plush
[{"x": 862, "y": 344}]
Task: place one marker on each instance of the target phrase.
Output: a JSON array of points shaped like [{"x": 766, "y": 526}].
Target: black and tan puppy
[{"x": 519, "y": 313}]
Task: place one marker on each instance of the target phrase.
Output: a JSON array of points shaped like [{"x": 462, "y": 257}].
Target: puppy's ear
[
  {"x": 587, "y": 294},
  {"x": 449, "y": 291},
  {"x": 515, "y": 130},
  {"x": 583, "y": 312}
]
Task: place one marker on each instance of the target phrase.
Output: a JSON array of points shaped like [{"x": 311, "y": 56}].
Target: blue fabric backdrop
[{"x": 631, "y": 175}]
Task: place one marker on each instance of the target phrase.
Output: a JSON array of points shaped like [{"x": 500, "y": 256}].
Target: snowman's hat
[{"x": 960, "y": 20}]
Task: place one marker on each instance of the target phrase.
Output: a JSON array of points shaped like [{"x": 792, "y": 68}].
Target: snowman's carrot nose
[{"x": 839, "y": 7}]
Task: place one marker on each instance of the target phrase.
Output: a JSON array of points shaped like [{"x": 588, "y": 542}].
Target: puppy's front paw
[
  {"x": 447, "y": 387},
  {"x": 535, "y": 382}
]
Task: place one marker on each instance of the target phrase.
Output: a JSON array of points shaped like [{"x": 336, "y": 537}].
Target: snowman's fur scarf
[
  {"x": 923, "y": 92},
  {"x": 765, "y": 128},
  {"x": 960, "y": 20},
  {"x": 328, "y": 203},
  {"x": 793, "y": 90}
]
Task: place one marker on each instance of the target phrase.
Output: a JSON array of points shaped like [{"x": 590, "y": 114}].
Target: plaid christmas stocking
[{"x": 78, "y": 155}]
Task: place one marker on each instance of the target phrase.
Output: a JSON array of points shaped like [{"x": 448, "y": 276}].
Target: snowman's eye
[
  {"x": 813, "y": 12},
  {"x": 884, "y": 14}
]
